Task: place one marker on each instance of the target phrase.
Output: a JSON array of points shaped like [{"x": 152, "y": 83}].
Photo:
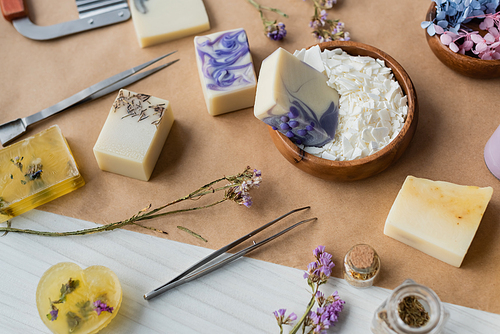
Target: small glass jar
[
  {"x": 361, "y": 266},
  {"x": 387, "y": 319}
]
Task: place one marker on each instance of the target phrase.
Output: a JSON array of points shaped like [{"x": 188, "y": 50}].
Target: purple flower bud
[
  {"x": 290, "y": 134},
  {"x": 284, "y": 119},
  {"x": 284, "y": 126},
  {"x": 301, "y": 132},
  {"x": 293, "y": 124},
  {"x": 274, "y": 128},
  {"x": 309, "y": 128},
  {"x": 294, "y": 112}
]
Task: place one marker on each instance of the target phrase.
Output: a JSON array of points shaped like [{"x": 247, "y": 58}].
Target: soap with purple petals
[
  {"x": 226, "y": 71},
  {"x": 293, "y": 98}
]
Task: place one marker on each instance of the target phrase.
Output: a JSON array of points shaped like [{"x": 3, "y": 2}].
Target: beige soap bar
[
  {"x": 226, "y": 71},
  {"x": 437, "y": 218},
  {"x": 166, "y": 20},
  {"x": 133, "y": 135},
  {"x": 293, "y": 97}
]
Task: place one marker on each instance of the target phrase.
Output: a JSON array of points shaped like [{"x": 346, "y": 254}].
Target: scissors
[
  {"x": 15, "y": 128},
  {"x": 202, "y": 267}
]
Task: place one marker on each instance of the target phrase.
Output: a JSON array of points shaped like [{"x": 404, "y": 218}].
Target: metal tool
[
  {"x": 13, "y": 129},
  {"x": 140, "y": 6},
  {"x": 93, "y": 14},
  {"x": 202, "y": 267}
]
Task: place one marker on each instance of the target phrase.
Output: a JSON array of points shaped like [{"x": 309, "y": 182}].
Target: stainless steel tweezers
[
  {"x": 13, "y": 129},
  {"x": 202, "y": 267}
]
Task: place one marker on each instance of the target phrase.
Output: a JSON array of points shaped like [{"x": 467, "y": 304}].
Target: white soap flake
[{"x": 372, "y": 106}]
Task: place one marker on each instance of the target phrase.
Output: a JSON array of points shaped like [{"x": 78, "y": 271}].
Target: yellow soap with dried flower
[
  {"x": 35, "y": 171},
  {"x": 72, "y": 300}
]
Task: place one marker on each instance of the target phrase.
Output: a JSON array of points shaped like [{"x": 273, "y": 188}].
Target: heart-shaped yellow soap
[{"x": 73, "y": 300}]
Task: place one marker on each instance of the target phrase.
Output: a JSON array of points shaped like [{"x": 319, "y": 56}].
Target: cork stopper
[{"x": 362, "y": 256}]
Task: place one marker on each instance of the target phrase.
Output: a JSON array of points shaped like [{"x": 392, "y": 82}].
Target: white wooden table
[{"x": 238, "y": 298}]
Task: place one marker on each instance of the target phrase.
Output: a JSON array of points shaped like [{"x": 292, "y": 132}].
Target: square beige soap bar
[
  {"x": 158, "y": 21},
  {"x": 437, "y": 218},
  {"x": 133, "y": 135},
  {"x": 226, "y": 71}
]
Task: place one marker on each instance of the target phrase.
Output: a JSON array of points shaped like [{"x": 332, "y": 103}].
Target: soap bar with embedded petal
[
  {"x": 133, "y": 135},
  {"x": 35, "y": 171},
  {"x": 294, "y": 98},
  {"x": 226, "y": 71},
  {"x": 72, "y": 300}
]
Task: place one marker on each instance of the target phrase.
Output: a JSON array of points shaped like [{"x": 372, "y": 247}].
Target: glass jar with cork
[
  {"x": 410, "y": 309},
  {"x": 361, "y": 266}
]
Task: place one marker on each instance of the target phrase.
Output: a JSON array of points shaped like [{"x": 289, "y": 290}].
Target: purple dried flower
[
  {"x": 282, "y": 320},
  {"x": 52, "y": 315},
  {"x": 318, "y": 251},
  {"x": 102, "y": 307},
  {"x": 276, "y": 31}
]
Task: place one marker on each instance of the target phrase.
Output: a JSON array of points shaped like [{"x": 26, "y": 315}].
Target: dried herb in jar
[{"x": 412, "y": 312}]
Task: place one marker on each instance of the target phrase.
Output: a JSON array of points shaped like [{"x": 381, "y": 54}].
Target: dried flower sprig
[
  {"x": 324, "y": 29},
  {"x": 451, "y": 21},
  {"x": 329, "y": 308},
  {"x": 236, "y": 189},
  {"x": 273, "y": 29}
]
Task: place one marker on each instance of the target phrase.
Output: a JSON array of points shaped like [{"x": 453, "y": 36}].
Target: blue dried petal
[
  {"x": 452, "y": 11},
  {"x": 441, "y": 15},
  {"x": 431, "y": 30},
  {"x": 443, "y": 24},
  {"x": 425, "y": 24},
  {"x": 475, "y": 4}
]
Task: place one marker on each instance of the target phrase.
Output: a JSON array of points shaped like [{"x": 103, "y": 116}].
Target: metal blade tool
[
  {"x": 92, "y": 14},
  {"x": 15, "y": 128}
]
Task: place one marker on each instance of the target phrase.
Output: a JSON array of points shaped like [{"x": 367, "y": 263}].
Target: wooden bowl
[
  {"x": 365, "y": 167},
  {"x": 466, "y": 65}
]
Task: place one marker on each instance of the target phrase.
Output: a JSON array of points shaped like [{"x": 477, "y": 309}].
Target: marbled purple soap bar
[
  {"x": 294, "y": 98},
  {"x": 226, "y": 71}
]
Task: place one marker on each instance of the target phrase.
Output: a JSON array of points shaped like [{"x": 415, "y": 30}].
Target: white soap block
[
  {"x": 226, "y": 71},
  {"x": 133, "y": 135},
  {"x": 294, "y": 98},
  {"x": 437, "y": 218},
  {"x": 312, "y": 57},
  {"x": 166, "y": 20}
]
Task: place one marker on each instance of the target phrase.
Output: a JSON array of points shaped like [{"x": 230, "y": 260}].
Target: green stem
[
  {"x": 107, "y": 227},
  {"x": 301, "y": 321}
]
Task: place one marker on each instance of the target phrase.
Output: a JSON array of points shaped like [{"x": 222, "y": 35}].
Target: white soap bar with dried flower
[
  {"x": 226, "y": 71},
  {"x": 372, "y": 106},
  {"x": 133, "y": 135},
  {"x": 166, "y": 20},
  {"x": 437, "y": 218}
]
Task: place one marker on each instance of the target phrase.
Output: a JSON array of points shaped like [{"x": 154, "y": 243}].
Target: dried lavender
[
  {"x": 325, "y": 29},
  {"x": 237, "y": 189},
  {"x": 329, "y": 308},
  {"x": 273, "y": 29}
]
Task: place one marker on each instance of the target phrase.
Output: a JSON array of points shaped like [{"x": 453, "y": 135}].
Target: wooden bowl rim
[
  {"x": 407, "y": 87},
  {"x": 431, "y": 14}
]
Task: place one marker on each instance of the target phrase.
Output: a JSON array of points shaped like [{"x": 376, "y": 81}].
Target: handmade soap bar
[
  {"x": 226, "y": 71},
  {"x": 294, "y": 98},
  {"x": 166, "y": 20},
  {"x": 72, "y": 300},
  {"x": 35, "y": 171},
  {"x": 437, "y": 218},
  {"x": 133, "y": 135}
]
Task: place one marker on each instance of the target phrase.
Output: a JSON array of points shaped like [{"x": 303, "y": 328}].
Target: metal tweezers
[
  {"x": 201, "y": 268},
  {"x": 13, "y": 129}
]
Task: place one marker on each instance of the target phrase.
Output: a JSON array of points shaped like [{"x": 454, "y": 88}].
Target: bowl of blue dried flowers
[
  {"x": 464, "y": 35},
  {"x": 377, "y": 115}
]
